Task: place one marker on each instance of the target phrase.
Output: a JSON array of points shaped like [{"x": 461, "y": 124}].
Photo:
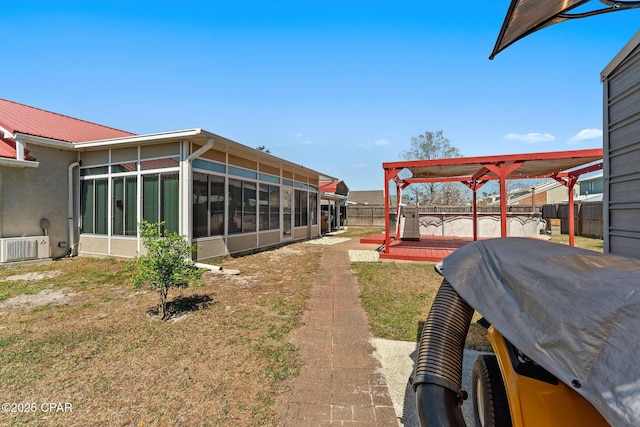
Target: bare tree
[{"x": 432, "y": 146}]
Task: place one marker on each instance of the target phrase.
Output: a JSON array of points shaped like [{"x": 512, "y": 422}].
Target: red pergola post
[
  {"x": 572, "y": 226},
  {"x": 570, "y": 182},
  {"x": 386, "y": 211},
  {"x": 475, "y": 186},
  {"x": 389, "y": 174},
  {"x": 475, "y": 214},
  {"x": 503, "y": 170}
]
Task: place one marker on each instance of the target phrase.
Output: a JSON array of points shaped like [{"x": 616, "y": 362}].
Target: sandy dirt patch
[
  {"x": 44, "y": 297},
  {"x": 33, "y": 277},
  {"x": 327, "y": 240}
]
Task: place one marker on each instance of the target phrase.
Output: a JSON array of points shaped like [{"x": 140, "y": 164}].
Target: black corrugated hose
[{"x": 437, "y": 378}]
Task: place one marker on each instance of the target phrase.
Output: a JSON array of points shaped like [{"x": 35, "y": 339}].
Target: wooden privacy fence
[
  {"x": 587, "y": 218},
  {"x": 365, "y": 216},
  {"x": 588, "y": 215}
]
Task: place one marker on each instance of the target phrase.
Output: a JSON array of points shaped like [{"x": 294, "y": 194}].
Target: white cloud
[
  {"x": 376, "y": 143},
  {"x": 531, "y": 137},
  {"x": 307, "y": 142},
  {"x": 298, "y": 134},
  {"x": 587, "y": 134},
  {"x": 361, "y": 165},
  {"x": 381, "y": 143}
]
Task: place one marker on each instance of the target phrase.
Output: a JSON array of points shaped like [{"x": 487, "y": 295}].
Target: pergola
[{"x": 474, "y": 172}]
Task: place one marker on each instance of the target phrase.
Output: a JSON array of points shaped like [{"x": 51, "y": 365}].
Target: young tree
[
  {"x": 431, "y": 146},
  {"x": 167, "y": 263}
]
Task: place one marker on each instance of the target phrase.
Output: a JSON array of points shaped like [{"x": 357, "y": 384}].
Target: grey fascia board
[{"x": 617, "y": 60}]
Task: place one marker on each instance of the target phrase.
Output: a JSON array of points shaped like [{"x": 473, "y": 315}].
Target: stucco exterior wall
[
  {"x": 114, "y": 246},
  {"x": 300, "y": 233},
  {"x": 241, "y": 243},
  {"x": 31, "y": 194},
  {"x": 211, "y": 248},
  {"x": 269, "y": 238},
  {"x": 93, "y": 245},
  {"x": 127, "y": 248}
]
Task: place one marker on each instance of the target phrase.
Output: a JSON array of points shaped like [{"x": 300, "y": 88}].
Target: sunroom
[{"x": 223, "y": 196}]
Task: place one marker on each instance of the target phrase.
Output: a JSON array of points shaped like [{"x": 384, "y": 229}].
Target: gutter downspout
[
  {"x": 19, "y": 149},
  {"x": 72, "y": 233},
  {"x": 206, "y": 147}
]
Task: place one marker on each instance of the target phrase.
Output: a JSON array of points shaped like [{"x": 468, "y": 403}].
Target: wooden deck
[{"x": 428, "y": 248}]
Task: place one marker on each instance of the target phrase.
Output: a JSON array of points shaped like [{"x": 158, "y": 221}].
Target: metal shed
[{"x": 621, "y": 116}]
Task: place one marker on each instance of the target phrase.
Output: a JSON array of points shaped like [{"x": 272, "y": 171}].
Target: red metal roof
[
  {"x": 329, "y": 186},
  {"x": 336, "y": 187},
  {"x": 16, "y": 117},
  {"x": 8, "y": 150}
]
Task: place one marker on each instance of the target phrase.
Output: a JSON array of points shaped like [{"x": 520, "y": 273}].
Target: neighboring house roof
[
  {"x": 598, "y": 197},
  {"x": 367, "y": 197},
  {"x": 523, "y": 193},
  {"x": 20, "y": 118},
  {"x": 335, "y": 187},
  {"x": 594, "y": 177}
]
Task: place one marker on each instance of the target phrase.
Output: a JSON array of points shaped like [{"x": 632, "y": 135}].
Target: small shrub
[{"x": 167, "y": 263}]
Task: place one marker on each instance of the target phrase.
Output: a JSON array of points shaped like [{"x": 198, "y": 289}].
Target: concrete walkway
[{"x": 341, "y": 383}]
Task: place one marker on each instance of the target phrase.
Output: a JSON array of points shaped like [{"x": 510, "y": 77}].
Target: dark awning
[{"x": 528, "y": 16}]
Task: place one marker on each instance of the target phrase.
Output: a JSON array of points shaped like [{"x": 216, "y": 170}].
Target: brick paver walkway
[{"x": 340, "y": 383}]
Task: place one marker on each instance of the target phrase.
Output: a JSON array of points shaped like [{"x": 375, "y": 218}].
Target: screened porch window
[
  {"x": 301, "y": 208},
  {"x": 124, "y": 206},
  {"x": 94, "y": 200},
  {"x": 313, "y": 208},
  {"x": 269, "y": 207},
  {"x": 160, "y": 199},
  {"x": 242, "y": 206},
  {"x": 208, "y": 205}
]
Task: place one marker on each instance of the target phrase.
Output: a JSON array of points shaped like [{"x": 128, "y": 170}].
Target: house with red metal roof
[
  {"x": 333, "y": 204},
  {"x": 72, "y": 187}
]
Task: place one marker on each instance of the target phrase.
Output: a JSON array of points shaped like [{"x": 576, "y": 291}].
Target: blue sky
[{"x": 337, "y": 86}]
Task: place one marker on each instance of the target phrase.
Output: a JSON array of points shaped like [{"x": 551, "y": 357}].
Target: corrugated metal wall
[{"x": 622, "y": 157}]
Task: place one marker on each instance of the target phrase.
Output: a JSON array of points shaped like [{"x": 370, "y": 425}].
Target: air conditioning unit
[{"x": 24, "y": 248}]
